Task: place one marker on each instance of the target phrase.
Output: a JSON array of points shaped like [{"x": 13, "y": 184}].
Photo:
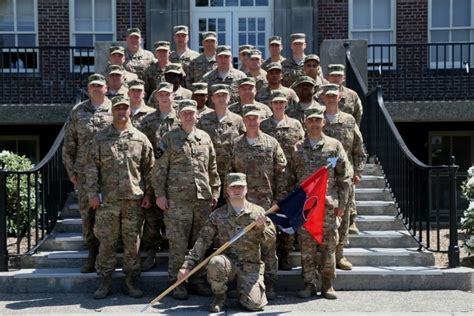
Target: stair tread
[{"x": 374, "y": 203}]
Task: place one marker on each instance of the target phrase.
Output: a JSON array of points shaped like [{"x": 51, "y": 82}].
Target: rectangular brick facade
[{"x": 333, "y": 20}]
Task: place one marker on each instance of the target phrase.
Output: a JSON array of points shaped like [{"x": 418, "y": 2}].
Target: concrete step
[
  {"x": 68, "y": 225},
  {"x": 376, "y": 208},
  {"x": 70, "y": 280},
  {"x": 372, "y": 170},
  {"x": 378, "y": 222},
  {"x": 70, "y": 210},
  {"x": 372, "y": 182},
  {"x": 373, "y": 194}
]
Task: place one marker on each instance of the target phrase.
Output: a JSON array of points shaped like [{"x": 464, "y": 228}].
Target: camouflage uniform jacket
[
  {"x": 129, "y": 76},
  {"x": 296, "y": 111},
  {"x": 221, "y": 226},
  {"x": 153, "y": 76},
  {"x": 84, "y": 122},
  {"x": 291, "y": 71},
  {"x": 264, "y": 164},
  {"x": 119, "y": 164},
  {"x": 269, "y": 60},
  {"x": 350, "y": 103},
  {"x": 260, "y": 81},
  {"x": 222, "y": 134},
  {"x": 137, "y": 117},
  {"x": 138, "y": 62},
  {"x": 263, "y": 95},
  {"x": 345, "y": 130},
  {"x": 287, "y": 134},
  {"x": 232, "y": 78},
  {"x": 182, "y": 93},
  {"x": 198, "y": 67},
  {"x": 185, "y": 59},
  {"x": 204, "y": 110},
  {"x": 122, "y": 91},
  {"x": 307, "y": 159},
  {"x": 264, "y": 109},
  {"x": 154, "y": 127},
  {"x": 187, "y": 163}
]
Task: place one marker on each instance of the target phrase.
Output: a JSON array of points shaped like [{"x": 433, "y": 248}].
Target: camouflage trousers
[
  {"x": 221, "y": 270},
  {"x": 119, "y": 218},
  {"x": 153, "y": 228},
  {"x": 183, "y": 220},
  {"x": 87, "y": 215},
  {"x": 343, "y": 229},
  {"x": 285, "y": 243},
  {"x": 318, "y": 260}
]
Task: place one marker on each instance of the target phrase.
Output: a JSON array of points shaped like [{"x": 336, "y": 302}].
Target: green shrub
[{"x": 468, "y": 220}]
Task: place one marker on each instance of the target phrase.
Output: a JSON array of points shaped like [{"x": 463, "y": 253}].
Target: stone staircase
[{"x": 384, "y": 255}]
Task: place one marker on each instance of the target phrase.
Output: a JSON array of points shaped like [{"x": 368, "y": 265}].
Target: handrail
[{"x": 415, "y": 186}]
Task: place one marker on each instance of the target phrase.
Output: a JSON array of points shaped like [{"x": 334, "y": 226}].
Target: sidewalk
[{"x": 380, "y": 303}]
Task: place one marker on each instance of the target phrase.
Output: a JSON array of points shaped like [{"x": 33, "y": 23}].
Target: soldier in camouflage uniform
[
  {"x": 304, "y": 87},
  {"x": 247, "y": 93},
  {"x": 287, "y": 132},
  {"x": 116, "y": 82},
  {"x": 85, "y": 120},
  {"x": 205, "y": 62},
  {"x": 117, "y": 57},
  {"x": 342, "y": 126},
  {"x": 311, "y": 68},
  {"x": 164, "y": 93},
  {"x": 174, "y": 74},
  {"x": 200, "y": 96},
  {"x": 242, "y": 260},
  {"x": 187, "y": 187},
  {"x": 274, "y": 78},
  {"x": 119, "y": 163},
  {"x": 244, "y": 57},
  {"x": 156, "y": 72},
  {"x": 183, "y": 54},
  {"x": 138, "y": 109},
  {"x": 137, "y": 59},
  {"x": 274, "y": 47},
  {"x": 224, "y": 73},
  {"x": 255, "y": 71},
  {"x": 293, "y": 67},
  {"x": 311, "y": 154},
  {"x": 261, "y": 158}
]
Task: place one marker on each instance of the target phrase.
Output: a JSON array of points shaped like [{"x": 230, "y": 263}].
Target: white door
[
  {"x": 219, "y": 22},
  {"x": 251, "y": 28}
]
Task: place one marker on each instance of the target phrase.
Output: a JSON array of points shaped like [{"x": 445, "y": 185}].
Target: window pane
[
  {"x": 232, "y": 3},
  {"x": 202, "y": 3},
  {"x": 221, "y": 25},
  {"x": 261, "y": 24},
  {"x": 83, "y": 15},
  {"x": 221, "y": 39},
  {"x": 104, "y": 37},
  {"x": 246, "y": 3},
  {"x": 460, "y": 52},
  {"x": 103, "y": 16},
  {"x": 252, "y": 24},
  {"x": 242, "y": 38},
  {"x": 252, "y": 39},
  {"x": 381, "y": 37},
  {"x": 26, "y": 40},
  {"x": 217, "y": 3},
  {"x": 263, "y": 50},
  {"x": 460, "y": 36},
  {"x": 6, "y": 15},
  {"x": 7, "y": 40},
  {"x": 462, "y": 13},
  {"x": 361, "y": 14},
  {"x": 242, "y": 24},
  {"x": 212, "y": 25},
  {"x": 25, "y": 15},
  {"x": 261, "y": 38},
  {"x": 440, "y": 13},
  {"x": 261, "y": 3},
  {"x": 361, "y": 35},
  {"x": 84, "y": 40},
  {"x": 202, "y": 25},
  {"x": 382, "y": 14}
]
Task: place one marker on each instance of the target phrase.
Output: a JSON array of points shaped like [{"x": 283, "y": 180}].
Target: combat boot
[
  {"x": 105, "y": 287},
  {"x": 202, "y": 289},
  {"x": 353, "y": 230},
  {"x": 130, "y": 287},
  {"x": 308, "y": 291},
  {"x": 344, "y": 264},
  {"x": 285, "y": 264},
  {"x": 270, "y": 291},
  {"x": 89, "y": 266},
  {"x": 181, "y": 292},
  {"x": 149, "y": 261},
  {"x": 328, "y": 291},
  {"x": 218, "y": 303}
]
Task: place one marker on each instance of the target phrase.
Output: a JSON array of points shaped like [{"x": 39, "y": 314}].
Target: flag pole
[{"x": 249, "y": 227}]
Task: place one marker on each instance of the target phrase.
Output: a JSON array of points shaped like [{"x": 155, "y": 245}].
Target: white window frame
[
  {"x": 384, "y": 62},
  {"x": 21, "y": 50},
  {"x": 450, "y": 64},
  {"x": 73, "y": 32}
]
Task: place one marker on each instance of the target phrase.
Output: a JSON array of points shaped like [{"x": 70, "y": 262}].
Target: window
[
  {"x": 90, "y": 21},
  {"x": 26, "y": 145},
  {"x": 450, "y": 22},
  {"x": 231, "y": 3},
  {"x": 374, "y": 21},
  {"x": 18, "y": 35}
]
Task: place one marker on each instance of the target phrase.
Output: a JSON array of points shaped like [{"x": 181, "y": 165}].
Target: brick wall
[
  {"x": 123, "y": 17},
  {"x": 412, "y": 21},
  {"x": 333, "y": 20},
  {"x": 53, "y": 22}
]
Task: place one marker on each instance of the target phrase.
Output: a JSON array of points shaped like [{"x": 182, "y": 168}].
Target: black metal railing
[
  {"x": 417, "y": 72},
  {"x": 43, "y": 75},
  {"x": 413, "y": 184}
]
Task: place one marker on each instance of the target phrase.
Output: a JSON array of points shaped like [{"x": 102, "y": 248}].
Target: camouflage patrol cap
[
  {"x": 174, "y": 68},
  {"x": 200, "y": 88},
  {"x": 223, "y": 50},
  {"x": 311, "y": 57},
  {"x": 255, "y": 53},
  {"x": 209, "y": 36},
  {"x": 336, "y": 69},
  {"x": 220, "y": 88},
  {"x": 314, "y": 111},
  {"x": 116, "y": 49},
  {"x": 120, "y": 99},
  {"x": 162, "y": 45},
  {"x": 136, "y": 84},
  {"x": 247, "y": 80},
  {"x": 115, "y": 69},
  {"x": 330, "y": 88},
  {"x": 298, "y": 37},
  {"x": 278, "y": 95},
  {"x": 303, "y": 79},
  {"x": 250, "y": 109},
  {"x": 245, "y": 48},
  {"x": 274, "y": 40},
  {"x": 187, "y": 105},
  {"x": 134, "y": 31},
  {"x": 236, "y": 178},
  {"x": 165, "y": 86},
  {"x": 96, "y": 79},
  {"x": 274, "y": 65},
  {"x": 183, "y": 29}
]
